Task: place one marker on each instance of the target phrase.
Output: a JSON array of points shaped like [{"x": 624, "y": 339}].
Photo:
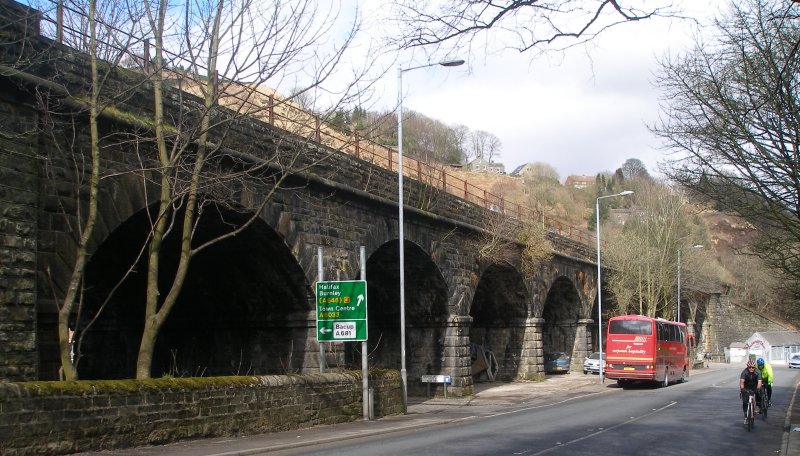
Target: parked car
[
  {"x": 592, "y": 363},
  {"x": 556, "y": 362},
  {"x": 794, "y": 361}
]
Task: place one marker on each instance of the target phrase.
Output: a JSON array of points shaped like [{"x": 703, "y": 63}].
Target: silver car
[
  {"x": 592, "y": 363},
  {"x": 794, "y": 361}
]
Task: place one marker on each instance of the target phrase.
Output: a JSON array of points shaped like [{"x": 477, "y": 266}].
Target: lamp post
[
  {"x": 401, "y": 237},
  {"x": 599, "y": 281},
  {"x": 678, "y": 311}
]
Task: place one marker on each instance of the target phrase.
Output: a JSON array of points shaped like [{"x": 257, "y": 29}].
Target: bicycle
[
  {"x": 764, "y": 404},
  {"x": 751, "y": 409}
]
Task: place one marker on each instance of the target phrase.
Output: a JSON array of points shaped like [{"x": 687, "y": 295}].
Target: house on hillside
[
  {"x": 521, "y": 169},
  {"x": 774, "y": 346},
  {"x": 481, "y": 165},
  {"x": 579, "y": 182}
]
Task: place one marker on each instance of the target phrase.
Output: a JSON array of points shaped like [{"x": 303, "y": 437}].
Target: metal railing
[{"x": 266, "y": 106}]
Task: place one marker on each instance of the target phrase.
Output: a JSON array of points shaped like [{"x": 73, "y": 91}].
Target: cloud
[{"x": 583, "y": 112}]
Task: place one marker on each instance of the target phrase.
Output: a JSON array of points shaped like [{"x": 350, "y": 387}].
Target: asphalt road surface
[{"x": 700, "y": 417}]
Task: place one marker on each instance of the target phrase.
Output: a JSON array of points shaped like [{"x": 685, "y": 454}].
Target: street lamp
[
  {"x": 400, "y": 71},
  {"x": 678, "y": 312},
  {"x": 599, "y": 281}
]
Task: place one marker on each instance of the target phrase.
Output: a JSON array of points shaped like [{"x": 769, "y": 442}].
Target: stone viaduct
[{"x": 248, "y": 304}]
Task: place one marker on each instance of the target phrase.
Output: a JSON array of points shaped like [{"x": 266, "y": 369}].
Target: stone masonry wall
[
  {"x": 64, "y": 417},
  {"x": 727, "y": 322},
  {"x": 18, "y": 234}
]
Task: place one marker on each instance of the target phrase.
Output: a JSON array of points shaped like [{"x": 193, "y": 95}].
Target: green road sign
[{"x": 342, "y": 311}]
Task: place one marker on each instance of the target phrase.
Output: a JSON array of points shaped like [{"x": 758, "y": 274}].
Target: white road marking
[{"x": 559, "y": 445}]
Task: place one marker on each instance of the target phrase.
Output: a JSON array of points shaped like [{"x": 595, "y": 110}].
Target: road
[{"x": 701, "y": 416}]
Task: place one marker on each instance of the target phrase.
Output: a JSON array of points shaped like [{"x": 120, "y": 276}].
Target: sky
[{"x": 583, "y": 112}]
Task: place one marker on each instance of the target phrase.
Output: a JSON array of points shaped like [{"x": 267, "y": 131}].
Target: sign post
[{"x": 342, "y": 311}]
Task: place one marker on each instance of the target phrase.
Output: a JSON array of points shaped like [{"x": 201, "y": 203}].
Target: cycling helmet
[
  {"x": 760, "y": 362},
  {"x": 751, "y": 363}
]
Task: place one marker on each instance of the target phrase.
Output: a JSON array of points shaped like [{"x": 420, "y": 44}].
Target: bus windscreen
[{"x": 630, "y": 327}]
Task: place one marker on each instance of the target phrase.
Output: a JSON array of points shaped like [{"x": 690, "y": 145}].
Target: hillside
[
  {"x": 728, "y": 232},
  {"x": 567, "y": 205}
]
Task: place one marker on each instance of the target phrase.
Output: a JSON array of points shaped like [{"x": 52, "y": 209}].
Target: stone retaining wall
[
  {"x": 64, "y": 417},
  {"x": 727, "y": 322}
]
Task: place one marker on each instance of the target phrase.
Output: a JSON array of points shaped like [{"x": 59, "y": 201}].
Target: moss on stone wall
[{"x": 85, "y": 415}]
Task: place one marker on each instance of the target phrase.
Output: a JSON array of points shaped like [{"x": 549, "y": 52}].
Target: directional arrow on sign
[{"x": 341, "y": 310}]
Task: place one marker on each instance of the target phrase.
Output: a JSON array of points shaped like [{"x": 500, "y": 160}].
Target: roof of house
[
  {"x": 519, "y": 169},
  {"x": 782, "y": 338},
  {"x": 582, "y": 178}
]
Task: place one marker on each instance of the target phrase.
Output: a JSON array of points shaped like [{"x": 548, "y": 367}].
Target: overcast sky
[{"x": 583, "y": 113}]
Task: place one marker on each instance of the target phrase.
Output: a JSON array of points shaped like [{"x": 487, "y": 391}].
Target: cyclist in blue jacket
[{"x": 767, "y": 377}]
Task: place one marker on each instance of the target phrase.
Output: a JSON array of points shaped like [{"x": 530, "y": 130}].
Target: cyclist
[
  {"x": 749, "y": 380},
  {"x": 766, "y": 378}
]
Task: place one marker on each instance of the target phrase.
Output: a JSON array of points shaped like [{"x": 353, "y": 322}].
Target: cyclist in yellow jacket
[{"x": 766, "y": 378}]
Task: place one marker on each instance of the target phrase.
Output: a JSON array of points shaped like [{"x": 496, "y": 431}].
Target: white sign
[
  {"x": 436, "y": 379},
  {"x": 344, "y": 330}
]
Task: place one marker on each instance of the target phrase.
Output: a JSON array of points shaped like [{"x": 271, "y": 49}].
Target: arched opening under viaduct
[
  {"x": 425, "y": 312},
  {"x": 243, "y": 309},
  {"x": 561, "y": 314},
  {"x": 498, "y": 312}
]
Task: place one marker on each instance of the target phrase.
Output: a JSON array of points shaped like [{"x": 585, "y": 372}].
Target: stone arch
[
  {"x": 243, "y": 309},
  {"x": 119, "y": 198},
  {"x": 425, "y": 311},
  {"x": 499, "y": 310},
  {"x": 562, "y": 318}
]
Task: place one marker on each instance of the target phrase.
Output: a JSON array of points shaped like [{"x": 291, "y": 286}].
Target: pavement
[
  {"x": 489, "y": 399},
  {"x": 791, "y": 429}
]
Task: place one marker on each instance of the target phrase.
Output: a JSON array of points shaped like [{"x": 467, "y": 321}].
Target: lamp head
[
  {"x": 451, "y": 63},
  {"x": 626, "y": 192}
]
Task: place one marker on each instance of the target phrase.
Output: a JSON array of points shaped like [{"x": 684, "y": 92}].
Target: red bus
[{"x": 644, "y": 348}]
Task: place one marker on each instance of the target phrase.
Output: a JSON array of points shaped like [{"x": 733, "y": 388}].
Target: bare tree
[
  {"x": 536, "y": 248},
  {"x": 459, "y": 134},
  {"x": 730, "y": 112},
  {"x": 430, "y": 140},
  {"x": 503, "y": 237},
  {"x": 522, "y": 25},
  {"x": 642, "y": 254},
  {"x": 231, "y": 42},
  {"x": 541, "y": 171},
  {"x": 79, "y": 149},
  {"x": 633, "y": 168},
  {"x": 485, "y": 145}
]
